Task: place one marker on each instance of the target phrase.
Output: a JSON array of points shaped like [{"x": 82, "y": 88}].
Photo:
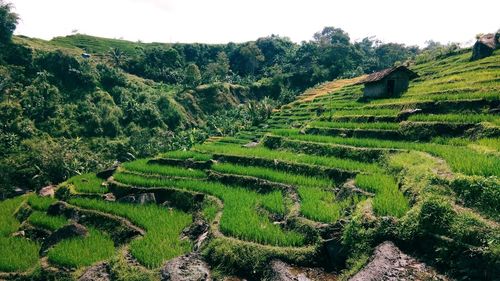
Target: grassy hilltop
[{"x": 331, "y": 177}]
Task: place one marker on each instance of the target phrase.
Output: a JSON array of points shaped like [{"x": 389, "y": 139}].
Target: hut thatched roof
[{"x": 377, "y": 76}]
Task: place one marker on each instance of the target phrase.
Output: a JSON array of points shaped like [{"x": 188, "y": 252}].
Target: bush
[{"x": 480, "y": 193}]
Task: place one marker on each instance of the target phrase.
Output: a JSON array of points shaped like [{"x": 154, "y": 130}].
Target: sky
[{"x": 221, "y": 21}]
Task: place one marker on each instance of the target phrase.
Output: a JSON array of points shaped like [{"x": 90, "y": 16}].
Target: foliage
[
  {"x": 82, "y": 251},
  {"x": 8, "y": 22}
]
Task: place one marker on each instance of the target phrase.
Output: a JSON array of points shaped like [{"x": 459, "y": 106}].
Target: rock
[
  {"x": 389, "y": 263},
  {"x": 251, "y": 144},
  {"x": 142, "y": 198},
  {"x": 485, "y": 46},
  {"x": 197, "y": 228},
  {"x": 65, "y": 232},
  {"x": 109, "y": 197},
  {"x": 404, "y": 114},
  {"x": 105, "y": 174},
  {"x": 185, "y": 268},
  {"x": 20, "y": 233},
  {"x": 48, "y": 191},
  {"x": 98, "y": 272},
  {"x": 280, "y": 271}
]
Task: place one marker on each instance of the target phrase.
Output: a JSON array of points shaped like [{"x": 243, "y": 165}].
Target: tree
[
  {"x": 116, "y": 56},
  {"x": 8, "y": 22},
  {"x": 247, "y": 59},
  {"x": 192, "y": 76},
  {"x": 218, "y": 70}
]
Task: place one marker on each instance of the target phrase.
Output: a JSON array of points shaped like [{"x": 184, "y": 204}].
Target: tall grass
[
  {"x": 163, "y": 228},
  {"x": 17, "y": 254},
  {"x": 189, "y": 154},
  {"x": 8, "y": 222},
  {"x": 273, "y": 175},
  {"x": 262, "y": 152},
  {"x": 457, "y": 118},
  {"x": 241, "y": 216},
  {"x": 388, "y": 201},
  {"x": 355, "y": 125},
  {"x": 320, "y": 205},
  {"x": 142, "y": 166},
  {"x": 41, "y": 219},
  {"x": 88, "y": 183},
  {"x": 40, "y": 203},
  {"x": 82, "y": 251},
  {"x": 476, "y": 163}
]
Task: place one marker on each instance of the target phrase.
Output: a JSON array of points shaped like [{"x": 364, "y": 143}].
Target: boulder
[
  {"x": 251, "y": 144},
  {"x": 485, "y": 46},
  {"x": 389, "y": 263},
  {"x": 142, "y": 198},
  {"x": 197, "y": 228},
  {"x": 186, "y": 268},
  {"x": 280, "y": 271},
  {"x": 98, "y": 272},
  {"x": 48, "y": 191},
  {"x": 65, "y": 232},
  {"x": 108, "y": 172},
  {"x": 109, "y": 197}
]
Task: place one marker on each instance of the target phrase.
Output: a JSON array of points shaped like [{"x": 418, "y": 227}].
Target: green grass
[
  {"x": 17, "y": 254},
  {"x": 41, "y": 219},
  {"x": 163, "y": 228},
  {"x": 142, "y": 166},
  {"x": 320, "y": 205},
  {"x": 183, "y": 155},
  {"x": 88, "y": 183},
  {"x": 388, "y": 201},
  {"x": 8, "y": 223},
  {"x": 242, "y": 217},
  {"x": 40, "y": 203},
  {"x": 476, "y": 163},
  {"x": 457, "y": 118},
  {"x": 283, "y": 155},
  {"x": 353, "y": 125},
  {"x": 82, "y": 251},
  {"x": 273, "y": 175}
]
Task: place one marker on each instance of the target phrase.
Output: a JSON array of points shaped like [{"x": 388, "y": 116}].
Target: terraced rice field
[{"x": 330, "y": 166}]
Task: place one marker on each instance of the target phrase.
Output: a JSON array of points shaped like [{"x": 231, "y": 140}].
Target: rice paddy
[
  {"x": 88, "y": 183},
  {"x": 163, "y": 227},
  {"x": 142, "y": 166},
  {"x": 82, "y": 251}
]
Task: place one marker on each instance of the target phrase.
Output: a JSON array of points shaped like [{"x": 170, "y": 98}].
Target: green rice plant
[
  {"x": 40, "y": 203},
  {"x": 457, "y": 118},
  {"x": 362, "y": 112},
  {"x": 320, "y": 205},
  {"x": 262, "y": 152},
  {"x": 389, "y": 200},
  {"x": 354, "y": 125},
  {"x": 8, "y": 223},
  {"x": 17, "y": 254},
  {"x": 82, "y": 251},
  {"x": 209, "y": 210},
  {"x": 142, "y": 166},
  {"x": 476, "y": 163},
  {"x": 273, "y": 175},
  {"x": 186, "y": 154},
  {"x": 489, "y": 144},
  {"x": 241, "y": 217},
  {"x": 163, "y": 228},
  {"x": 88, "y": 183},
  {"x": 41, "y": 219}
]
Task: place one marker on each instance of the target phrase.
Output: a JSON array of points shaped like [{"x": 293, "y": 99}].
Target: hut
[{"x": 390, "y": 82}]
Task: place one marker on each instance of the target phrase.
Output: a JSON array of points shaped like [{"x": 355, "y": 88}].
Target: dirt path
[{"x": 326, "y": 88}]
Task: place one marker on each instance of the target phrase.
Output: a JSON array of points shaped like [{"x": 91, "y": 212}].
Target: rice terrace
[{"x": 330, "y": 159}]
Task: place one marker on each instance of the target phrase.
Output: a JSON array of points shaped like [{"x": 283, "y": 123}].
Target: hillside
[{"x": 325, "y": 180}]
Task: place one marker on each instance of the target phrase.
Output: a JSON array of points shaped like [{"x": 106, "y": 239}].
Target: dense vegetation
[
  {"x": 64, "y": 114},
  {"x": 316, "y": 182}
]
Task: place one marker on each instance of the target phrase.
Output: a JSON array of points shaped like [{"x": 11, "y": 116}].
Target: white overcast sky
[{"x": 222, "y": 21}]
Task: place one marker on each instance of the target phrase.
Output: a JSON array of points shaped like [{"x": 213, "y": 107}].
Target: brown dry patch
[{"x": 327, "y": 87}]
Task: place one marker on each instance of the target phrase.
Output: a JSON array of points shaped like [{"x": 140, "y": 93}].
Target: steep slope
[{"x": 331, "y": 176}]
